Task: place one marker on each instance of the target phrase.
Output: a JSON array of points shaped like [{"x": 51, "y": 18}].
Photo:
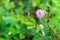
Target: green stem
[{"x": 49, "y": 26}]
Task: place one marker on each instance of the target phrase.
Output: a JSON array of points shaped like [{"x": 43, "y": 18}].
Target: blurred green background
[{"x": 18, "y": 20}]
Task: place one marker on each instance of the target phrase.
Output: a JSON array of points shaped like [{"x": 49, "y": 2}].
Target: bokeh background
[{"x": 18, "y": 20}]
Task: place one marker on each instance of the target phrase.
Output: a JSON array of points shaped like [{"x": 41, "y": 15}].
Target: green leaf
[
  {"x": 1, "y": 15},
  {"x": 21, "y": 36},
  {"x": 30, "y": 27},
  {"x": 38, "y": 37},
  {"x": 2, "y": 39}
]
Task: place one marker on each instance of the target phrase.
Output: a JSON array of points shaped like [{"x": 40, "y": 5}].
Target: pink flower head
[{"x": 40, "y": 13}]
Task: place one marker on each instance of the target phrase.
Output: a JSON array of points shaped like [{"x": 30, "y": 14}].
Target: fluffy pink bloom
[{"x": 40, "y": 13}]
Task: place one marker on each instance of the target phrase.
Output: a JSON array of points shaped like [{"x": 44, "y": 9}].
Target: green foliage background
[{"x": 14, "y": 19}]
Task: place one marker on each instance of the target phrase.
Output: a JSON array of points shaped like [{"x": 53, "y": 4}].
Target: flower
[{"x": 40, "y": 13}]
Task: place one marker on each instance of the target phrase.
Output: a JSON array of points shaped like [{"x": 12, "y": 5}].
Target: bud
[
  {"x": 41, "y": 26},
  {"x": 48, "y": 9},
  {"x": 9, "y": 33},
  {"x": 31, "y": 8},
  {"x": 28, "y": 14}
]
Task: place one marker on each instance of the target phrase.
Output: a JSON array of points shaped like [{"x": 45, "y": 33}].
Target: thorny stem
[
  {"x": 52, "y": 31},
  {"x": 48, "y": 24}
]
